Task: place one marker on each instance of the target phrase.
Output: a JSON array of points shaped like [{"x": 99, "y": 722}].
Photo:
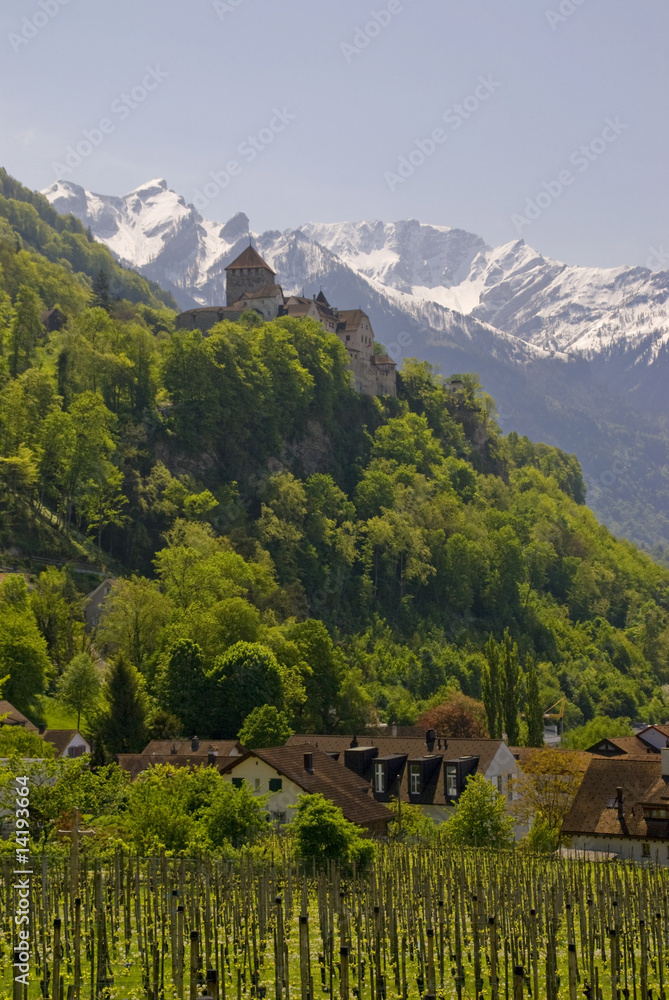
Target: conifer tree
[
  {"x": 490, "y": 683},
  {"x": 533, "y": 712},
  {"x": 123, "y": 727},
  {"x": 101, "y": 291},
  {"x": 510, "y": 687}
]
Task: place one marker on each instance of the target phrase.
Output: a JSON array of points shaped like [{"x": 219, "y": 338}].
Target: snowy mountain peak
[{"x": 407, "y": 267}]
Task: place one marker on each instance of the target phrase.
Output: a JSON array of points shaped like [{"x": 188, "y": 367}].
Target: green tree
[
  {"x": 15, "y": 741},
  {"x": 26, "y": 330},
  {"x": 510, "y": 688},
  {"x": 79, "y": 686},
  {"x": 265, "y": 726},
  {"x": 132, "y": 619},
  {"x": 480, "y": 818},
  {"x": 101, "y": 296},
  {"x": 183, "y": 686},
  {"x": 23, "y": 650},
  {"x": 534, "y": 713},
  {"x": 245, "y": 676},
  {"x": 122, "y": 728},
  {"x": 491, "y": 687},
  {"x": 322, "y": 833},
  {"x": 599, "y": 728}
]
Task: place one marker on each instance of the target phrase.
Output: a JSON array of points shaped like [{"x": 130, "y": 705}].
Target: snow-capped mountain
[{"x": 576, "y": 356}]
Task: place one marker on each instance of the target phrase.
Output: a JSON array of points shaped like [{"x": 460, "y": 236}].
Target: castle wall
[{"x": 240, "y": 280}]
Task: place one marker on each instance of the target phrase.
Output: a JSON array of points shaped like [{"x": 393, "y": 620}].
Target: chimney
[
  {"x": 430, "y": 739},
  {"x": 195, "y": 744},
  {"x": 309, "y": 763},
  {"x": 619, "y": 800},
  {"x": 211, "y": 760},
  {"x": 41, "y": 730},
  {"x": 354, "y": 743},
  {"x": 665, "y": 763}
]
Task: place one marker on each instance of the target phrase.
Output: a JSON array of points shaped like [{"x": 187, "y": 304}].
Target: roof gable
[{"x": 249, "y": 258}]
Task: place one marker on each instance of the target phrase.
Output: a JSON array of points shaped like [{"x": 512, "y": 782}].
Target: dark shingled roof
[
  {"x": 224, "y": 748},
  {"x": 60, "y": 738},
  {"x": 594, "y": 810},
  {"x": 352, "y": 318},
  {"x": 624, "y": 744},
  {"x": 415, "y": 750},
  {"x": 335, "y": 782},
  {"x": 249, "y": 258},
  {"x": 15, "y": 718}
]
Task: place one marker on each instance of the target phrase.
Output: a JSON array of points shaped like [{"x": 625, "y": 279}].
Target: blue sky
[{"x": 513, "y": 88}]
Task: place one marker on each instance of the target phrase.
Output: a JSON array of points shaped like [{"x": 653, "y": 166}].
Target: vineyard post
[
  {"x": 194, "y": 964},
  {"x": 343, "y": 975},
  {"x": 55, "y": 989},
  {"x": 518, "y": 982}
]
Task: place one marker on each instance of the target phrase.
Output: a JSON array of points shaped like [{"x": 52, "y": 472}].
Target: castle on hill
[{"x": 250, "y": 283}]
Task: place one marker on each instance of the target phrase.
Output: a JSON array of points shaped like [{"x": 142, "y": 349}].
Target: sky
[{"x": 540, "y": 119}]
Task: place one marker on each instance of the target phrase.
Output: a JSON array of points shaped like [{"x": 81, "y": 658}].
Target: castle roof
[
  {"x": 352, "y": 318},
  {"x": 249, "y": 258},
  {"x": 320, "y": 298}
]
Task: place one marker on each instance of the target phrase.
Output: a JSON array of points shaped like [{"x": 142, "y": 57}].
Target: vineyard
[{"x": 422, "y": 921}]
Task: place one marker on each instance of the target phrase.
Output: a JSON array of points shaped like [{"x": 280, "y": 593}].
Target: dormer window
[
  {"x": 379, "y": 778},
  {"x": 451, "y": 781},
  {"x": 414, "y": 779}
]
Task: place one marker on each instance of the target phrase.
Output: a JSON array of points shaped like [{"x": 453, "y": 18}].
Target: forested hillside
[{"x": 276, "y": 537}]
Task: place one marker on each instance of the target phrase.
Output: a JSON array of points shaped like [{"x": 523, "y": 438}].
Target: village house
[
  {"x": 68, "y": 742},
  {"x": 431, "y": 772},
  {"x": 251, "y": 285},
  {"x": 622, "y": 808},
  {"x": 285, "y": 773}
]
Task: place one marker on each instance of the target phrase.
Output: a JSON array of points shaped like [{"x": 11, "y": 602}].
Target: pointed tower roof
[
  {"x": 249, "y": 258},
  {"x": 321, "y": 299}
]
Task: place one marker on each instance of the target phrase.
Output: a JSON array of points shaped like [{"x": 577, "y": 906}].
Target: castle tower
[{"x": 247, "y": 274}]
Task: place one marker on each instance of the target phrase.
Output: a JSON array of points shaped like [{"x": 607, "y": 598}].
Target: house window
[
  {"x": 278, "y": 817},
  {"x": 497, "y": 782},
  {"x": 379, "y": 779},
  {"x": 275, "y": 784},
  {"x": 645, "y": 850},
  {"x": 414, "y": 778},
  {"x": 75, "y": 751},
  {"x": 257, "y": 784},
  {"x": 451, "y": 781},
  {"x": 238, "y": 782}
]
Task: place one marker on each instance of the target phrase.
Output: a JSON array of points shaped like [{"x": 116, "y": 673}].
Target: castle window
[
  {"x": 379, "y": 778},
  {"x": 347, "y": 337},
  {"x": 414, "y": 775}
]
